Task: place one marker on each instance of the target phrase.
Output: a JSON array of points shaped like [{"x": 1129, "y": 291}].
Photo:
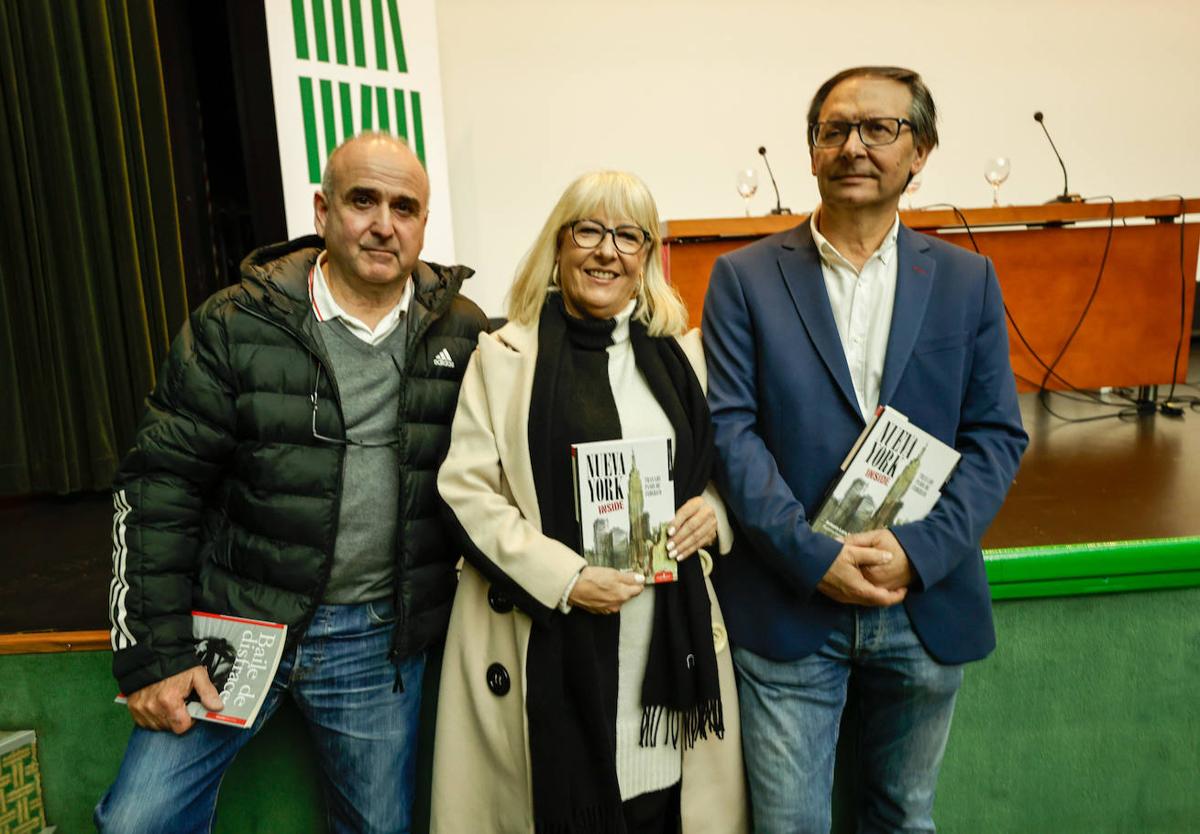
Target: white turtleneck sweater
[{"x": 639, "y": 769}]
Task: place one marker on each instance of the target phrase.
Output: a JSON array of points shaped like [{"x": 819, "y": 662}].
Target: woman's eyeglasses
[{"x": 589, "y": 234}]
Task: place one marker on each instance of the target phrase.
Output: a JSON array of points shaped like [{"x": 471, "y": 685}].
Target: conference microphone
[
  {"x": 1066, "y": 196},
  {"x": 779, "y": 209}
]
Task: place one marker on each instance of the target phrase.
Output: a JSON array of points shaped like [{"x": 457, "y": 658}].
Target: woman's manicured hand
[
  {"x": 605, "y": 590},
  {"x": 694, "y": 526}
]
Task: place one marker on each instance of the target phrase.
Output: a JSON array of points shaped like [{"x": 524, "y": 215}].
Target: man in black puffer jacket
[{"x": 285, "y": 470}]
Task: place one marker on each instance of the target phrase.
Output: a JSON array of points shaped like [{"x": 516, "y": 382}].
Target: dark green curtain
[{"x": 90, "y": 260}]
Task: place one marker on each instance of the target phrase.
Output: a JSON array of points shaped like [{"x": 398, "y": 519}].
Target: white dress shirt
[
  {"x": 327, "y": 309},
  {"x": 862, "y": 302}
]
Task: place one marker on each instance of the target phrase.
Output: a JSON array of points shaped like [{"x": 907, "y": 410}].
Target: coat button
[
  {"x": 497, "y": 679},
  {"x": 499, "y": 601}
]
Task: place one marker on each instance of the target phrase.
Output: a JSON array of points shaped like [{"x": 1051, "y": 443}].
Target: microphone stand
[
  {"x": 1066, "y": 196},
  {"x": 779, "y": 209}
]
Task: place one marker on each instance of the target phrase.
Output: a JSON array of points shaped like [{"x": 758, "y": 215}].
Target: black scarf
[{"x": 571, "y": 699}]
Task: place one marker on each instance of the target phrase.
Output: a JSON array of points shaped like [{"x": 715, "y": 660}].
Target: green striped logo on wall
[{"x": 335, "y": 109}]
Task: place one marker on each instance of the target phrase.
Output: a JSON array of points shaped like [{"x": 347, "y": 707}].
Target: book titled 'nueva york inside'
[
  {"x": 625, "y": 500},
  {"x": 893, "y": 474}
]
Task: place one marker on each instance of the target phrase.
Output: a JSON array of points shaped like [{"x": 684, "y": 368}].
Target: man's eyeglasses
[
  {"x": 588, "y": 234},
  {"x": 339, "y": 441},
  {"x": 872, "y": 132}
]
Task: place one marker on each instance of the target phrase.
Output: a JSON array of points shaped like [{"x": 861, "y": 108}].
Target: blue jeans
[
  {"x": 365, "y": 735},
  {"x": 791, "y": 712}
]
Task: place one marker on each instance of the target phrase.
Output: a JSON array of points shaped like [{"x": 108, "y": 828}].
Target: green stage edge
[{"x": 1093, "y": 568}]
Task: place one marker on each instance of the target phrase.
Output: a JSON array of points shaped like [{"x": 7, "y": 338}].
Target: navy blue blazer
[{"x": 785, "y": 414}]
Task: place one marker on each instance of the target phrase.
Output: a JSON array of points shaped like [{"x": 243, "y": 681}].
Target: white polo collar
[{"x": 326, "y": 308}]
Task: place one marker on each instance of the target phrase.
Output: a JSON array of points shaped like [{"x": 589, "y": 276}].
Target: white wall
[{"x": 533, "y": 97}]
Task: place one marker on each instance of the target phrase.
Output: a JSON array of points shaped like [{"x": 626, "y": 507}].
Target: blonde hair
[{"x": 617, "y": 194}]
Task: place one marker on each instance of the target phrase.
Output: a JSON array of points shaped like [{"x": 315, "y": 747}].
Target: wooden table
[{"x": 1048, "y": 266}]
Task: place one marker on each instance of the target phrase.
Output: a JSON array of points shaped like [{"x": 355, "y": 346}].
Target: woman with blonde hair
[{"x": 575, "y": 697}]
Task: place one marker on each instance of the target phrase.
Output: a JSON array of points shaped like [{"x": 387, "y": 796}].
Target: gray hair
[{"x": 921, "y": 112}]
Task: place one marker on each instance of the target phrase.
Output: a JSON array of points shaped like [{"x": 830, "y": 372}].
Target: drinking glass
[
  {"x": 747, "y": 185},
  {"x": 995, "y": 172}
]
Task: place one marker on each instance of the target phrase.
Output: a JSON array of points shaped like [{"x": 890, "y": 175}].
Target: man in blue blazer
[{"x": 806, "y": 333}]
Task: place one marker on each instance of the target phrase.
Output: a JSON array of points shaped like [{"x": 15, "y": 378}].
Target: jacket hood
[{"x": 276, "y": 276}]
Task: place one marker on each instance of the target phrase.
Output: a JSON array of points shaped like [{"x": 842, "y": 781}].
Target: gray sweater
[{"x": 369, "y": 378}]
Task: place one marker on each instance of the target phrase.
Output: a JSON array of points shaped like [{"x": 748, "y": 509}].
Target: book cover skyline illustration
[
  {"x": 625, "y": 500},
  {"x": 893, "y": 474}
]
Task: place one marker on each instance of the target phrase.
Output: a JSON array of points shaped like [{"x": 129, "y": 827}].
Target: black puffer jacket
[{"x": 227, "y": 503}]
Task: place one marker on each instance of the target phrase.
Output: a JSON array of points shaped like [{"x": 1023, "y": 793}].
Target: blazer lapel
[
  {"x": 914, "y": 280},
  {"x": 801, "y": 268}
]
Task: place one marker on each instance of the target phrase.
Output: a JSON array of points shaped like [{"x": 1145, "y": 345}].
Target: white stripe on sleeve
[{"x": 119, "y": 635}]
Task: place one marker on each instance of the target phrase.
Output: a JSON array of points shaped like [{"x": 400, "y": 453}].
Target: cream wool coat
[{"x": 481, "y": 771}]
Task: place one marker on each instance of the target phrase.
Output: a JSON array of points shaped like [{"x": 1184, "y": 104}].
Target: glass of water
[
  {"x": 747, "y": 185},
  {"x": 996, "y": 172}
]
